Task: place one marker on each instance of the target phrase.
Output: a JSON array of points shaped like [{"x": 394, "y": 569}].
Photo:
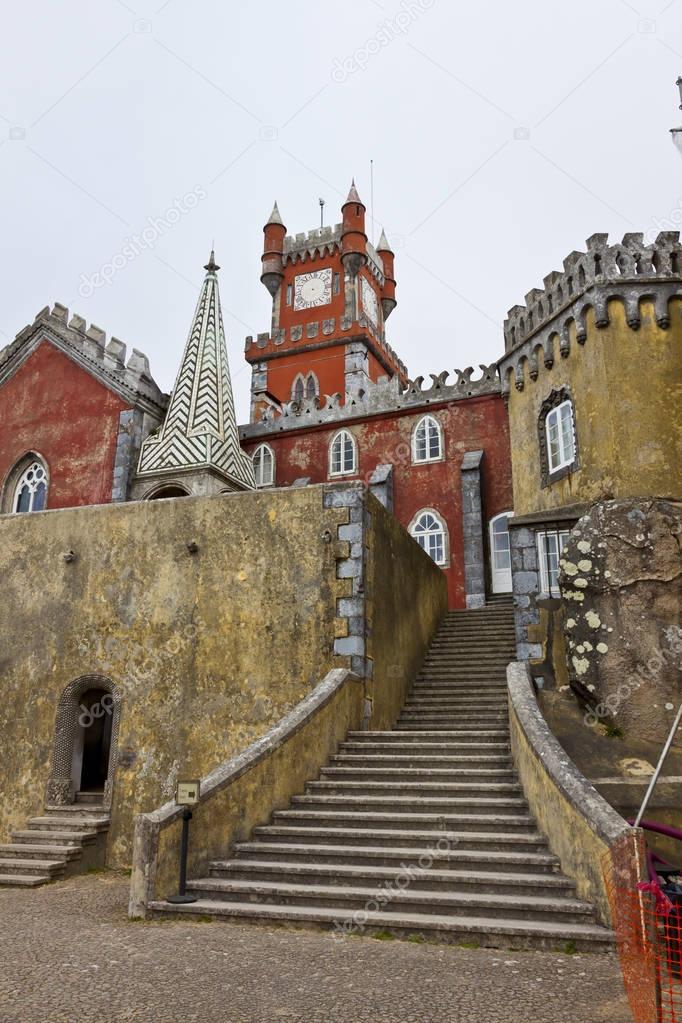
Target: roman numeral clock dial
[{"x": 313, "y": 289}]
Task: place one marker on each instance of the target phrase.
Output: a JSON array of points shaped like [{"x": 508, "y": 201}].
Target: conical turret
[
  {"x": 353, "y": 237},
  {"x": 388, "y": 302},
  {"x": 273, "y": 252}
]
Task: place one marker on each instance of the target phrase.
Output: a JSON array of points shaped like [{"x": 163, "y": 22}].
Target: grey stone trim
[
  {"x": 386, "y": 395},
  {"x": 356, "y": 368},
  {"x": 630, "y": 272},
  {"x": 128, "y": 443},
  {"x": 381, "y": 485},
  {"x": 544, "y": 517},
  {"x": 353, "y": 566},
  {"x": 472, "y": 529},
  {"x": 148, "y": 826},
  {"x": 380, "y": 347},
  {"x": 552, "y": 401},
  {"x": 86, "y": 346},
  {"x": 525, "y": 588}
]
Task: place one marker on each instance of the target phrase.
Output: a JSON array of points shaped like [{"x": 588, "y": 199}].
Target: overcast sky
[{"x": 503, "y": 135}]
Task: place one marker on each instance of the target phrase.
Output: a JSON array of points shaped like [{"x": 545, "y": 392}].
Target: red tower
[{"x": 332, "y": 292}]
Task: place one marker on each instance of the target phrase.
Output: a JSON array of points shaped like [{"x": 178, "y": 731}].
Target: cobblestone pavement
[{"x": 68, "y": 954}]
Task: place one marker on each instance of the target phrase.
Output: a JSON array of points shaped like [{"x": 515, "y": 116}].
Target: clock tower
[{"x": 332, "y": 293}]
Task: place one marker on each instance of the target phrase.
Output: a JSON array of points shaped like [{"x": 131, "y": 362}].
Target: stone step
[
  {"x": 29, "y": 851},
  {"x": 409, "y": 804},
  {"x": 415, "y": 760},
  {"x": 436, "y": 774},
  {"x": 78, "y": 810},
  {"x": 451, "y": 737},
  {"x": 453, "y": 725},
  {"x": 497, "y": 841},
  {"x": 24, "y": 880},
  {"x": 421, "y": 878},
  {"x": 77, "y": 839},
  {"x": 460, "y": 748},
  {"x": 50, "y": 868},
  {"x": 485, "y": 861},
  {"x": 355, "y": 897},
  {"x": 416, "y": 789},
  {"x": 458, "y": 701},
  {"x": 70, "y": 822},
  {"x": 550, "y": 936},
  {"x": 452, "y": 717},
  {"x": 406, "y": 821}
]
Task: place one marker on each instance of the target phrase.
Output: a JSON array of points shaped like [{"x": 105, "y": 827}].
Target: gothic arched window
[
  {"x": 298, "y": 388},
  {"x": 29, "y": 490},
  {"x": 342, "y": 454},
  {"x": 312, "y": 388},
  {"x": 264, "y": 465},
  {"x": 427, "y": 440},
  {"x": 431, "y": 533}
]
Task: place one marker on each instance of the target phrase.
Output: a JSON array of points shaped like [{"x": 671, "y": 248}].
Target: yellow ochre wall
[{"x": 626, "y": 387}]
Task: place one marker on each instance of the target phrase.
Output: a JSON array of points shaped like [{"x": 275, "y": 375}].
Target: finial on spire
[
  {"x": 353, "y": 194},
  {"x": 275, "y": 217},
  {"x": 212, "y": 266}
]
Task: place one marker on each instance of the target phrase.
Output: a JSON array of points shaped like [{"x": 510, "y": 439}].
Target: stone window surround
[
  {"x": 440, "y": 457},
  {"x": 271, "y": 481},
  {"x": 445, "y": 563},
  {"x": 9, "y": 486},
  {"x": 335, "y": 474},
  {"x": 555, "y": 398}
]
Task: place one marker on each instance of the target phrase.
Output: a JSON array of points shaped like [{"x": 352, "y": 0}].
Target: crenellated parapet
[
  {"x": 88, "y": 345},
  {"x": 320, "y": 330},
  {"x": 386, "y": 395},
  {"x": 629, "y": 271}
]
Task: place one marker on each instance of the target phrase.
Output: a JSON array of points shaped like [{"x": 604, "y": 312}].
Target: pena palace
[{"x": 84, "y": 423}]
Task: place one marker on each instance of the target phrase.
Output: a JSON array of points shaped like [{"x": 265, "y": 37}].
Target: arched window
[
  {"x": 427, "y": 440},
  {"x": 342, "y": 454},
  {"x": 500, "y": 554},
  {"x": 264, "y": 465},
  {"x": 431, "y": 533},
  {"x": 30, "y": 490},
  {"x": 298, "y": 388},
  {"x": 312, "y": 388}
]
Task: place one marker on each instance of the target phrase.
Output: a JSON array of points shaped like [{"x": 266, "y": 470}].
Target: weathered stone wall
[
  {"x": 626, "y": 388},
  {"x": 209, "y": 649},
  {"x": 209, "y": 645},
  {"x": 621, "y": 582}
]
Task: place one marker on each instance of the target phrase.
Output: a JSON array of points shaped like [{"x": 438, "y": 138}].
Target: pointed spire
[
  {"x": 275, "y": 217},
  {"x": 383, "y": 245},
  {"x": 212, "y": 266},
  {"x": 353, "y": 194},
  {"x": 199, "y": 436}
]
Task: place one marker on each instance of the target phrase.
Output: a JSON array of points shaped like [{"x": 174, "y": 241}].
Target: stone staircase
[
  {"x": 66, "y": 840},
  {"x": 422, "y": 831}
]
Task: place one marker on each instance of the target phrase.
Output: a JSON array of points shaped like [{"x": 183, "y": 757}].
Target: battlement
[
  {"x": 320, "y": 331},
  {"x": 322, "y": 241},
  {"x": 387, "y": 395},
  {"x": 89, "y": 345},
  {"x": 627, "y": 271},
  {"x": 629, "y": 262}
]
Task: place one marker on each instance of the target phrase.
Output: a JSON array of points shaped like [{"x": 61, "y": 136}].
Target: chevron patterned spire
[{"x": 200, "y": 429}]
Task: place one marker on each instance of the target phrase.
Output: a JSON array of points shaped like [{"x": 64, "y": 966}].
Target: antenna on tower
[
  {"x": 371, "y": 188},
  {"x": 321, "y": 202}
]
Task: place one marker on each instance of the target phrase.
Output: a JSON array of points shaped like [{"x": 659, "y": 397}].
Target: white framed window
[
  {"x": 30, "y": 492},
  {"x": 500, "y": 554},
  {"x": 550, "y": 545},
  {"x": 312, "y": 387},
  {"x": 431, "y": 533},
  {"x": 298, "y": 388},
  {"x": 342, "y": 454},
  {"x": 264, "y": 465},
  {"x": 560, "y": 431},
  {"x": 427, "y": 440}
]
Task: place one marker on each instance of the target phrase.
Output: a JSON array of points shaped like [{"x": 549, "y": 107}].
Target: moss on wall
[{"x": 626, "y": 387}]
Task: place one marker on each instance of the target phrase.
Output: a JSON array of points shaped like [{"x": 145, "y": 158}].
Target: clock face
[
  {"x": 369, "y": 302},
  {"x": 313, "y": 289}
]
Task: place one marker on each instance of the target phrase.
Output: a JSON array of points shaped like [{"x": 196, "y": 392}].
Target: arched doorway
[
  {"x": 86, "y": 741},
  {"x": 500, "y": 554}
]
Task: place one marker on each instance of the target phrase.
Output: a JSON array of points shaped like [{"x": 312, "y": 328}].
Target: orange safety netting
[{"x": 648, "y": 931}]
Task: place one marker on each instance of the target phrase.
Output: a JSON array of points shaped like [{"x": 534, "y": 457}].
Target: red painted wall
[
  {"x": 52, "y": 406},
  {"x": 469, "y": 425}
]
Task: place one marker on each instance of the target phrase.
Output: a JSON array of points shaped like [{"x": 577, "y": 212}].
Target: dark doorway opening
[{"x": 95, "y": 721}]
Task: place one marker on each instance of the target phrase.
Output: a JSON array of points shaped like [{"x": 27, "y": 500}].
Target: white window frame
[
  {"x": 428, "y": 422},
  {"x": 258, "y": 469},
  {"x": 444, "y": 560},
  {"x": 298, "y": 378},
  {"x": 566, "y": 458},
  {"x": 541, "y": 538},
  {"x": 341, "y": 437},
  {"x": 312, "y": 376}
]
